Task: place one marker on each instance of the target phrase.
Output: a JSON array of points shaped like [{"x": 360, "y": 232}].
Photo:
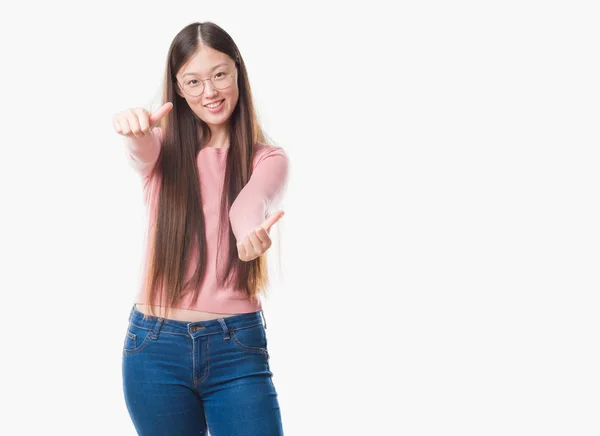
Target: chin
[{"x": 216, "y": 119}]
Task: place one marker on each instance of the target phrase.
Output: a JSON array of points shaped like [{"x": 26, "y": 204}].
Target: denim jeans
[{"x": 199, "y": 378}]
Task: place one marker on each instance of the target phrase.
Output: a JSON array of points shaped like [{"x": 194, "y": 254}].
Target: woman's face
[{"x": 208, "y": 63}]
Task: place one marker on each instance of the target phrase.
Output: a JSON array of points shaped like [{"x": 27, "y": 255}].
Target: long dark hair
[{"x": 179, "y": 225}]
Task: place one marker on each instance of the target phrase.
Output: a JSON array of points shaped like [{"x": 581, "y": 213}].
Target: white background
[{"x": 439, "y": 255}]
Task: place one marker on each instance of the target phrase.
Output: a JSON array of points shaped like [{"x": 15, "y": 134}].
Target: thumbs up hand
[
  {"x": 258, "y": 240},
  {"x": 139, "y": 122}
]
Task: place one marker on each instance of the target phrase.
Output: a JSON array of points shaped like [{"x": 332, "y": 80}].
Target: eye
[
  {"x": 190, "y": 82},
  {"x": 220, "y": 72}
]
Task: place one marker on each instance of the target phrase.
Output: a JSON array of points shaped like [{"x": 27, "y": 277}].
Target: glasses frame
[{"x": 204, "y": 86}]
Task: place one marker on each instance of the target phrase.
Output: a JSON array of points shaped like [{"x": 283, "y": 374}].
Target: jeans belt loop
[
  {"x": 224, "y": 326},
  {"x": 157, "y": 326}
]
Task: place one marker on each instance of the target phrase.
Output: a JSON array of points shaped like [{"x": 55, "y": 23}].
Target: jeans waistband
[{"x": 197, "y": 328}]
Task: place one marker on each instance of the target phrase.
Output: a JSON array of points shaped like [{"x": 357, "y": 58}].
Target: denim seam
[
  {"x": 206, "y": 366},
  {"x": 245, "y": 347},
  {"x": 245, "y": 327},
  {"x": 140, "y": 327},
  {"x": 173, "y": 333},
  {"x": 162, "y": 330},
  {"x": 194, "y": 360},
  {"x": 140, "y": 347}
]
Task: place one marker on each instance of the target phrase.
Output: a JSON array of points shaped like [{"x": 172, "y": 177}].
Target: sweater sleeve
[
  {"x": 261, "y": 195},
  {"x": 143, "y": 152}
]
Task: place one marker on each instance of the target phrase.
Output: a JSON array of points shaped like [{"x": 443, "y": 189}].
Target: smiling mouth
[{"x": 213, "y": 105}]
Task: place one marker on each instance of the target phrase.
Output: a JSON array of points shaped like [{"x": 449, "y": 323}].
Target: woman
[{"x": 195, "y": 355}]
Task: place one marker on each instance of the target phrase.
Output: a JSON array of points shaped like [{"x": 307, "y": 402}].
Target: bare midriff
[{"x": 178, "y": 314}]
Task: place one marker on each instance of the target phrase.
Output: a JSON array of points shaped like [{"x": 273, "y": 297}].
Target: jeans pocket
[
  {"x": 253, "y": 339},
  {"x": 136, "y": 338}
]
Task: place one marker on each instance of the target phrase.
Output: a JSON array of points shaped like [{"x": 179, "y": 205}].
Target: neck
[{"x": 219, "y": 137}]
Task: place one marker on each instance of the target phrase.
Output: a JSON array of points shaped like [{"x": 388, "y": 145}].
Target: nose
[{"x": 209, "y": 88}]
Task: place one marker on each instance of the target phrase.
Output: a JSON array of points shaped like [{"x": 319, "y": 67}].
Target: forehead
[{"x": 203, "y": 61}]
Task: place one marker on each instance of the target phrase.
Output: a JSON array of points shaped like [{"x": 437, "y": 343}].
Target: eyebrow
[{"x": 213, "y": 68}]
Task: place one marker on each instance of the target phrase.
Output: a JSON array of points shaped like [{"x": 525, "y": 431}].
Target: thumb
[
  {"x": 269, "y": 222},
  {"x": 160, "y": 113}
]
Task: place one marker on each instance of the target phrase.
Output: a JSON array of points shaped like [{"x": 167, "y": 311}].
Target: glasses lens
[
  {"x": 222, "y": 81},
  {"x": 193, "y": 87}
]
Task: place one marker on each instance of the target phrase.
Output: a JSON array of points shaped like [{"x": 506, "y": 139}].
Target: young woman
[{"x": 195, "y": 355}]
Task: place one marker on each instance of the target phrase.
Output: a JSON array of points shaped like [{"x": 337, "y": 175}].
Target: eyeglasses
[{"x": 195, "y": 87}]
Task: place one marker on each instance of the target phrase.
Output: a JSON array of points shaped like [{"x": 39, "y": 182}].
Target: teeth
[{"x": 214, "y": 105}]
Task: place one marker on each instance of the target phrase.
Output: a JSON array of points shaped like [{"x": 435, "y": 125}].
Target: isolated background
[{"x": 438, "y": 269}]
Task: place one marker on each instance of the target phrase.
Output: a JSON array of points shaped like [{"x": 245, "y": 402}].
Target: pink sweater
[{"x": 258, "y": 199}]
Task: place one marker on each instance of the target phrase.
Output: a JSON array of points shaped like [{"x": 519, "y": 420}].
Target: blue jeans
[{"x": 187, "y": 378}]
